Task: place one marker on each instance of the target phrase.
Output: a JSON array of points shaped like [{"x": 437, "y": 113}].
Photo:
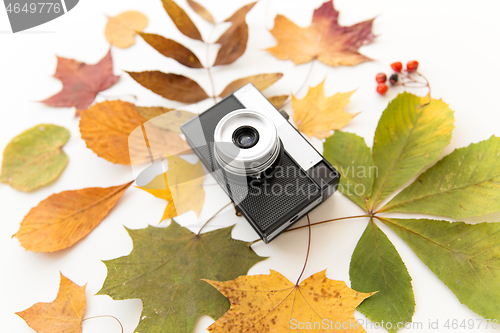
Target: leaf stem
[
  {"x": 103, "y": 316},
  {"x": 308, "y": 249},
  {"x": 210, "y": 219},
  {"x": 207, "y": 59},
  {"x": 303, "y": 83}
]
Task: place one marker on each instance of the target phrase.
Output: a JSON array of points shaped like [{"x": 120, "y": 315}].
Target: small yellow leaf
[
  {"x": 181, "y": 186},
  {"x": 271, "y": 303},
  {"x": 64, "y": 314},
  {"x": 121, "y": 29},
  {"x": 316, "y": 115}
]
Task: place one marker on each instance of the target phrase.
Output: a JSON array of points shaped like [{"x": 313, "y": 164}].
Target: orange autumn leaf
[
  {"x": 65, "y": 218},
  {"x": 181, "y": 186},
  {"x": 109, "y": 129},
  {"x": 181, "y": 19},
  {"x": 260, "y": 81},
  {"x": 271, "y": 303},
  {"x": 200, "y": 10},
  {"x": 316, "y": 115},
  {"x": 120, "y": 30},
  {"x": 64, "y": 314},
  {"x": 324, "y": 39}
]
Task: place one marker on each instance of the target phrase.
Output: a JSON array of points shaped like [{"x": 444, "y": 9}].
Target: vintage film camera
[{"x": 268, "y": 169}]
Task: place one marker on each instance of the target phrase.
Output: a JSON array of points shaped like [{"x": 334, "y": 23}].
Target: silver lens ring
[{"x": 255, "y": 152}]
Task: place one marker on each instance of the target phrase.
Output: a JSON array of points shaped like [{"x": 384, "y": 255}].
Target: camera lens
[{"x": 245, "y": 137}]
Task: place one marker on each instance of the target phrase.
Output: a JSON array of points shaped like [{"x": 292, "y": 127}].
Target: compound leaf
[
  {"x": 350, "y": 155},
  {"x": 465, "y": 257},
  {"x": 464, "y": 183},
  {"x": 65, "y": 218},
  {"x": 171, "y": 86},
  {"x": 408, "y": 137},
  {"x": 35, "y": 157},
  {"x": 324, "y": 39},
  {"x": 165, "y": 269},
  {"x": 171, "y": 49},
  {"x": 376, "y": 265},
  {"x": 271, "y": 303},
  {"x": 181, "y": 19},
  {"x": 234, "y": 41}
]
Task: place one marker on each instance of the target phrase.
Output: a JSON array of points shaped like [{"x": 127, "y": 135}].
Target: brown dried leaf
[
  {"x": 81, "y": 82},
  {"x": 65, "y": 218},
  {"x": 171, "y": 122},
  {"x": 64, "y": 314},
  {"x": 324, "y": 39},
  {"x": 200, "y": 10},
  {"x": 121, "y": 29},
  {"x": 234, "y": 40},
  {"x": 260, "y": 81},
  {"x": 278, "y": 101},
  {"x": 171, "y": 86},
  {"x": 172, "y": 49},
  {"x": 316, "y": 115},
  {"x": 107, "y": 127},
  {"x": 181, "y": 19}
]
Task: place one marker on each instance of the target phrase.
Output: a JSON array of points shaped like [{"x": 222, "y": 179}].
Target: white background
[{"x": 456, "y": 43}]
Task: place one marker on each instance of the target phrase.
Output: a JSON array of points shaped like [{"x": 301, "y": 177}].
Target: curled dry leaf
[
  {"x": 200, "y": 10},
  {"x": 271, "y": 303},
  {"x": 181, "y": 186},
  {"x": 316, "y": 115},
  {"x": 172, "y": 49},
  {"x": 81, "y": 82},
  {"x": 63, "y": 219},
  {"x": 260, "y": 81},
  {"x": 324, "y": 39},
  {"x": 234, "y": 41},
  {"x": 167, "y": 276},
  {"x": 112, "y": 129},
  {"x": 121, "y": 29},
  {"x": 181, "y": 19},
  {"x": 171, "y": 86},
  {"x": 64, "y": 314},
  {"x": 35, "y": 157}
]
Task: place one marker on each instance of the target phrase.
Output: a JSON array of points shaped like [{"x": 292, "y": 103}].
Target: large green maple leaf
[{"x": 165, "y": 269}]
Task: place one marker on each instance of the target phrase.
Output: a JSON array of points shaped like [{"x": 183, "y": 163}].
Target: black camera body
[{"x": 273, "y": 175}]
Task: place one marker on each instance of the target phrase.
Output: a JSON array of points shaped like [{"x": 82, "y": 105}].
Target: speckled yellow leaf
[
  {"x": 121, "y": 29},
  {"x": 316, "y": 115},
  {"x": 271, "y": 303},
  {"x": 181, "y": 186},
  {"x": 64, "y": 314}
]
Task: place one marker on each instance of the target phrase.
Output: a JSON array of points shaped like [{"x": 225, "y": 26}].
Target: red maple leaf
[{"x": 81, "y": 82}]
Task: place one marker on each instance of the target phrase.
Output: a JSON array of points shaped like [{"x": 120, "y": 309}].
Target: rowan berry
[
  {"x": 382, "y": 88},
  {"x": 381, "y": 77},
  {"x": 397, "y": 66},
  {"x": 412, "y": 66}
]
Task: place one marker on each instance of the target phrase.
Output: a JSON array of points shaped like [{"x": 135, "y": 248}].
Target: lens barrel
[{"x": 247, "y": 144}]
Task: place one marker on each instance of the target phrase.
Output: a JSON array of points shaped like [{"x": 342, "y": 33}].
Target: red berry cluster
[{"x": 396, "y": 77}]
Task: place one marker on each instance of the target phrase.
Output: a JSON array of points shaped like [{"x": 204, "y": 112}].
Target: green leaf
[
  {"x": 466, "y": 257},
  {"x": 35, "y": 157},
  {"x": 464, "y": 183},
  {"x": 350, "y": 155},
  {"x": 407, "y": 138},
  {"x": 376, "y": 265},
  {"x": 165, "y": 269}
]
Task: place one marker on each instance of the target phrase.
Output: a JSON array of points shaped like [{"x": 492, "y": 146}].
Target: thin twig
[
  {"x": 308, "y": 248},
  {"x": 210, "y": 219},
  {"x": 103, "y": 316},
  {"x": 303, "y": 84}
]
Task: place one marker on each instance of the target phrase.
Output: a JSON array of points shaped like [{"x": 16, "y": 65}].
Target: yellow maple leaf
[
  {"x": 64, "y": 314},
  {"x": 316, "y": 115},
  {"x": 181, "y": 186},
  {"x": 271, "y": 303},
  {"x": 121, "y": 29},
  {"x": 324, "y": 39}
]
